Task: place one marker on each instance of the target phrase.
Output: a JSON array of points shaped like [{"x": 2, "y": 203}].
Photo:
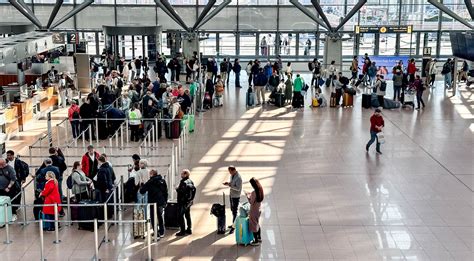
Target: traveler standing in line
[
  {"x": 138, "y": 66},
  {"x": 379, "y": 90},
  {"x": 74, "y": 119},
  {"x": 372, "y": 72},
  {"x": 8, "y": 181},
  {"x": 80, "y": 182},
  {"x": 432, "y": 73},
  {"x": 248, "y": 70},
  {"x": 354, "y": 69},
  {"x": 90, "y": 162},
  {"x": 141, "y": 177},
  {"x": 376, "y": 125},
  {"x": 223, "y": 68},
  {"x": 51, "y": 196},
  {"x": 397, "y": 84},
  {"x": 237, "y": 68},
  {"x": 235, "y": 187},
  {"x": 288, "y": 90},
  {"x": 446, "y": 72},
  {"x": 411, "y": 69},
  {"x": 103, "y": 182},
  {"x": 260, "y": 81},
  {"x": 157, "y": 192},
  {"x": 134, "y": 117},
  {"x": 419, "y": 91},
  {"x": 255, "y": 199},
  {"x": 62, "y": 90},
  {"x": 186, "y": 192}
]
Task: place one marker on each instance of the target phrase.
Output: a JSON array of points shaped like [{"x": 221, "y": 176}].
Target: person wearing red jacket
[
  {"x": 90, "y": 162},
  {"x": 411, "y": 69},
  {"x": 73, "y": 114},
  {"x": 50, "y": 194},
  {"x": 376, "y": 126}
]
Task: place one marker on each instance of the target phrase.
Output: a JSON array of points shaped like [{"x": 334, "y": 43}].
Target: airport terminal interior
[{"x": 236, "y": 130}]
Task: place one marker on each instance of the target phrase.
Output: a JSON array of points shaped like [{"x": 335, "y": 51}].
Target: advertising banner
[{"x": 385, "y": 64}]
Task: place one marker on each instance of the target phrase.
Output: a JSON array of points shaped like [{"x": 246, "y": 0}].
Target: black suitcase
[
  {"x": 298, "y": 100},
  {"x": 89, "y": 213},
  {"x": 37, "y": 210},
  {"x": 172, "y": 215},
  {"x": 279, "y": 99},
  {"x": 366, "y": 101}
]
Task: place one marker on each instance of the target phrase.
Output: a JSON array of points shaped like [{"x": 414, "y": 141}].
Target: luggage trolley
[{"x": 408, "y": 97}]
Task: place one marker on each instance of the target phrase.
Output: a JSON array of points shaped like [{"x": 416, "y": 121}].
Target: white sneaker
[{"x": 14, "y": 217}]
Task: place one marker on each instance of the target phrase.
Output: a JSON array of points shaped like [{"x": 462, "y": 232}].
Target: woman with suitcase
[{"x": 255, "y": 199}]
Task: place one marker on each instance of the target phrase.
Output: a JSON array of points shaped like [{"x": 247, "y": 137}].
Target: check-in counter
[
  {"x": 11, "y": 120},
  {"x": 25, "y": 112},
  {"x": 47, "y": 98}
]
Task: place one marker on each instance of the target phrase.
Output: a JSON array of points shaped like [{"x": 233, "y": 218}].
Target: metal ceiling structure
[{"x": 455, "y": 16}]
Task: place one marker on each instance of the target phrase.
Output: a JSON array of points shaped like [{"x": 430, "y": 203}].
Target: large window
[
  {"x": 226, "y": 44},
  {"x": 208, "y": 46},
  {"x": 247, "y": 43},
  {"x": 307, "y": 44},
  {"x": 445, "y": 44}
]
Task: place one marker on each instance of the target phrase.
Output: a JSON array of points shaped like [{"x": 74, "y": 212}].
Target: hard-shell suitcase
[
  {"x": 37, "y": 209},
  {"x": 172, "y": 129},
  {"x": 279, "y": 99},
  {"x": 89, "y": 213},
  {"x": 5, "y": 200},
  {"x": 138, "y": 227},
  {"x": 172, "y": 215},
  {"x": 332, "y": 100},
  {"x": 250, "y": 101},
  {"x": 347, "y": 100},
  {"x": 218, "y": 210},
  {"x": 243, "y": 236},
  {"x": 298, "y": 100},
  {"x": 191, "y": 122},
  {"x": 366, "y": 100}
]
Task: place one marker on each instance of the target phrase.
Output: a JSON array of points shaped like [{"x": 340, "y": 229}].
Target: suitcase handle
[{"x": 223, "y": 198}]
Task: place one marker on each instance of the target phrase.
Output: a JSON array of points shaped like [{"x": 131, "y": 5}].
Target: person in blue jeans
[
  {"x": 376, "y": 125},
  {"x": 235, "y": 186}
]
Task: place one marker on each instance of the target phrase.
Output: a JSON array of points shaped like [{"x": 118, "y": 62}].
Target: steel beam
[
  {"x": 73, "y": 12},
  {"x": 446, "y": 10},
  {"x": 160, "y": 5},
  {"x": 469, "y": 7},
  {"x": 353, "y": 11},
  {"x": 204, "y": 12},
  {"x": 56, "y": 8},
  {"x": 214, "y": 13},
  {"x": 173, "y": 13},
  {"x": 23, "y": 8},
  {"x": 320, "y": 11},
  {"x": 309, "y": 14}
]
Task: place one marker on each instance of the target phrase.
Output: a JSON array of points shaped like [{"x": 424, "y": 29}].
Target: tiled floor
[{"x": 326, "y": 198}]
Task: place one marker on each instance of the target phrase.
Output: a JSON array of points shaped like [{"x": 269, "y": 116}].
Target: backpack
[
  {"x": 75, "y": 115},
  {"x": 190, "y": 192},
  {"x": 24, "y": 169},
  {"x": 383, "y": 86},
  {"x": 119, "y": 83},
  {"x": 70, "y": 181},
  {"x": 446, "y": 69}
]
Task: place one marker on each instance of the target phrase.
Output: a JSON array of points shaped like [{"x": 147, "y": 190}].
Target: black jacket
[
  {"x": 157, "y": 190},
  {"x": 104, "y": 181},
  {"x": 184, "y": 192}
]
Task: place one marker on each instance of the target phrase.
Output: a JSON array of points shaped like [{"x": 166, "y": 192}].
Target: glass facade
[{"x": 240, "y": 27}]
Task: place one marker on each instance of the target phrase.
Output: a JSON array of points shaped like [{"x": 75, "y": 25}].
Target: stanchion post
[
  {"x": 30, "y": 154},
  {"x": 96, "y": 239},
  {"x": 157, "y": 130},
  {"x": 149, "y": 239},
  {"x": 121, "y": 135},
  {"x": 90, "y": 137},
  {"x": 84, "y": 138},
  {"x": 56, "y": 225},
  {"x": 106, "y": 230},
  {"x": 41, "y": 240},
  {"x": 7, "y": 225},
  {"x": 115, "y": 203},
  {"x": 155, "y": 218},
  {"x": 96, "y": 131},
  {"x": 23, "y": 202},
  {"x": 68, "y": 195},
  {"x": 126, "y": 131},
  {"x": 122, "y": 194}
]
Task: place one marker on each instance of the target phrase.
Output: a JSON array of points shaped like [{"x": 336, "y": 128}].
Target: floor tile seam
[{"x": 427, "y": 153}]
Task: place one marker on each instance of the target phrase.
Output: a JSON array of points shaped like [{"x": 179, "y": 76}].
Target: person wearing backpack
[
  {"x": 446, "y": 72},
  {"x": 74, "y": 118},
  {"x": 22, "y": 169},
  {"x": 8, "y": 184},
  {"x": 78, "y": 182},
  {"x": 157, "y": 193},
  {"x": 186, "y": 192},
  {"x": 379, "y": 88}
]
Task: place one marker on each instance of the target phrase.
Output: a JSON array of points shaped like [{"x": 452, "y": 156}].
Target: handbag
[
  {"x": 320, "y": 82},
  {"x": 381, "y": 137}
]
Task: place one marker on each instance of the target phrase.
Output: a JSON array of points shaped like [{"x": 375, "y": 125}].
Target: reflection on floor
[{"x": 326, "y": 198}]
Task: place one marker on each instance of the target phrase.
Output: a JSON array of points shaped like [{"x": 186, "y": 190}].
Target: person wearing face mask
[{"x": 90, "y": 162}]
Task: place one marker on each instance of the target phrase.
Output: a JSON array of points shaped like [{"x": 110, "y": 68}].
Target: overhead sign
[
  {"x": 384, "y": 29},
  {"x": 72, "y": 38},
  {"x": 58, "y": 38}
]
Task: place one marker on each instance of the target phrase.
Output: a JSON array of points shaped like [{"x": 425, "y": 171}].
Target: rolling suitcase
[
  {"x": 218, "y": 210},
  {"x": 138, "y": 227},
  {"x": 243, "y": 236},
  {"x": 37, "y": 209},
  {"x": 332, "y": 100},
  {"x": 298, "y": 100},
  {"x": 5, "y": 200},
  {"x": 172, "y": 129},
  {"x": 191, "y": 122},
  {"x": 89, "y": 213},
  {"x": 366, "y": 101},
  {"x": 250, "y": 98},
  {"x": 172, "y": 215},
  {"x": 347, "y": 100},
  {"x": 279, "y": 100}
]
